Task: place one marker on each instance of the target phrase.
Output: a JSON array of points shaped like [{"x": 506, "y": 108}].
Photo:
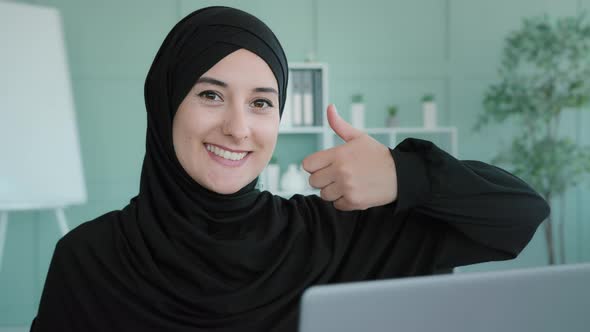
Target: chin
[
  {"x": 227, "y": 191},
  {"x": 226, "y": 188}
]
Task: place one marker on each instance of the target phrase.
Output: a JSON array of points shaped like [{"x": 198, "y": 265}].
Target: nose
[{"x": 236, "y": 123}]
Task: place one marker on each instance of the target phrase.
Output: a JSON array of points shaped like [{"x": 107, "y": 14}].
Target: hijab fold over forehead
[{"x": 202, "y": 39}]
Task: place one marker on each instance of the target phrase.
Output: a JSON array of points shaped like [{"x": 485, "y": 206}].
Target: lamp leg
[
  {"x": 3, "y": 224},
  {"x": 61, "y": 221}
]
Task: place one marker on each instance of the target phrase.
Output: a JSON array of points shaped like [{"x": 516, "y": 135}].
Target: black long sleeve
[
  {"x": 492, "y": 214},
  {"x": 448, "y": 213}
]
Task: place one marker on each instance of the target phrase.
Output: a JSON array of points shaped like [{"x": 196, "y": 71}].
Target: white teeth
[{"x": 226, "y": 154}]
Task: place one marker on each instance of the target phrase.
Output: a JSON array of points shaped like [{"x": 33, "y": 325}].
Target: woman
[{"x": 200, "y": 249}]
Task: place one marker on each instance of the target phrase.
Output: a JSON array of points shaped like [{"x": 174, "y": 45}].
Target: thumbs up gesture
[{"x": 356, "y": 175}]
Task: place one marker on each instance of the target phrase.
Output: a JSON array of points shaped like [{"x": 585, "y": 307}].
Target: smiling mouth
[{"x": 225, "y": 154}]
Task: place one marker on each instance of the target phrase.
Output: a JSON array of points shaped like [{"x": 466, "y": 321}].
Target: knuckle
[
  {"x": 305, "y": 163},
  {"x": 348, "y": 185},
  {"x": 312, "y": 180},
  {"x": 352, "y": 199},
  {"x": 323, "y": 194},
  {"x": 344, "y": 170}
]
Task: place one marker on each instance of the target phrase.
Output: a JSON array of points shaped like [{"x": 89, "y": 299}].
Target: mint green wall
[{"x": 391, "y": 51}]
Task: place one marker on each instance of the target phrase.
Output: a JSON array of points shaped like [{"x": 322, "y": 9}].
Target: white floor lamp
[{"x": 41, "y": 166}]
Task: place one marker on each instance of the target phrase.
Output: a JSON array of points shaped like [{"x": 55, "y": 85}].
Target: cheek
[
  {"x": 189, "y": 138},
  {"x": 268, "y": 133},
  {"x": 198, "y": 129}
]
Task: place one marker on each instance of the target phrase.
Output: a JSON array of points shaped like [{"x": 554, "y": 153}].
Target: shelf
[
  {"x": 301, "y": 130},
  {"x": 393, "y": 132},
  {"x": 401, "y": 130}
]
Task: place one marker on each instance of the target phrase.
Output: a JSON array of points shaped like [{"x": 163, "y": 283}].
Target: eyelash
[{"x": 209, "y": 92}]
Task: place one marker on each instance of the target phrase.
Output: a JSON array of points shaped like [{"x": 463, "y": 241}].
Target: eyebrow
[{"x": 210, "y": 80}]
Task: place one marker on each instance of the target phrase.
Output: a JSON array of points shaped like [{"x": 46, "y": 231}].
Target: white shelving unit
[
  {"x": 302, "y": 130},
  {"x": 327, "y": 137},
  {"x": 323, "y": 129},
  {"x": 395, "y": 131}
]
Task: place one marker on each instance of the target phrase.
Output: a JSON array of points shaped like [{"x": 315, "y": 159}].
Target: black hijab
[
  {"x": 194, "y": 45},
  {"x": 207, "y": 258}
]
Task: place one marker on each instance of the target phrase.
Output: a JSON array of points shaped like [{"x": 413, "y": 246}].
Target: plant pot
[
  {"x": 429, "y": 114},
  {"x": 357, "y": 115},
  {"x": 391, "y": 121}
]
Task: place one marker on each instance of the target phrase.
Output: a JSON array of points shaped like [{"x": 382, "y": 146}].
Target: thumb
[{"x": 342, "y": 128}]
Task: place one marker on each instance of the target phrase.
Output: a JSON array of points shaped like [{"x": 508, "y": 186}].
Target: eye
[
  {"x": 259, "y": 103},
  {"x": 209, "y": 96}
]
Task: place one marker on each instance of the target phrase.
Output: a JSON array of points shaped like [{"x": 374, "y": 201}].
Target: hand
[{"x": 356, "y": 175}]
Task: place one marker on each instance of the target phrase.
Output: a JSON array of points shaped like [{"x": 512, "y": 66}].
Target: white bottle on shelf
[
  {"x": 429, "y": 114},
  {"x": 287, "y": 117},
  {"x": 297, "y": 100},
  {"x": 358, "y": 115},
  {"x": 307, "y": 99}
]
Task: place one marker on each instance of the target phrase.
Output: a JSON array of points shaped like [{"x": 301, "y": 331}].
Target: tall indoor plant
[{"x": 545, "y": 71}]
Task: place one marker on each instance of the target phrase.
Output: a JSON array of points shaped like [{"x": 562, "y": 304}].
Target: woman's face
[{"x": 225, "y": 129}]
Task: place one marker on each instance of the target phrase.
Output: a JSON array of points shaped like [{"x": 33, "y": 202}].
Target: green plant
[
  {"x": 545, "y": 71},
  {"x": 357, "y": 98},
  {"x": 427, "y": 98},
  {"x": 392, "y": 110}
]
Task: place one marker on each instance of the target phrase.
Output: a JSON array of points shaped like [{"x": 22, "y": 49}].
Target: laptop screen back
[{"x": 545, "y": 299}]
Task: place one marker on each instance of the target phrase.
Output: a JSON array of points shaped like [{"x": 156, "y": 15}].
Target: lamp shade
[{"x": 40, "y": 163}]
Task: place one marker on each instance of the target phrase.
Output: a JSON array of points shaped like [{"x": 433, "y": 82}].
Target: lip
[
  {"x": 227, "y": 162},
  {"x": 226, "y": 148}
]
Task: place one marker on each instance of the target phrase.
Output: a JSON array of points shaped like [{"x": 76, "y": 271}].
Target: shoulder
[{"x": 88, "y": 233}]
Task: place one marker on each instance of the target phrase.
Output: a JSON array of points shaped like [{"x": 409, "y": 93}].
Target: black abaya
[{"x": 110, "y": 274}]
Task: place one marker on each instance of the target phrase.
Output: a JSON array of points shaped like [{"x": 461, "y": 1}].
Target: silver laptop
[{"x": 543, "y": 299}]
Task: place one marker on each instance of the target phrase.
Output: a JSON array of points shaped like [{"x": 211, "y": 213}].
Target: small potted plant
[
  {"x": 391, "y": 116},
  {"x": 358, "y": 111},
  {"x": 429, "y": 111}
]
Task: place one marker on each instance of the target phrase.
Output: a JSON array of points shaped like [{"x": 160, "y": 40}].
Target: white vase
[
  {"x": 357, "y": 112},
  {"x": 391, "y": 121},
  {"x": 429, "y": 114},
  {"x": 272, "y": 177},
  {"x": 293, "y": 180}
]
